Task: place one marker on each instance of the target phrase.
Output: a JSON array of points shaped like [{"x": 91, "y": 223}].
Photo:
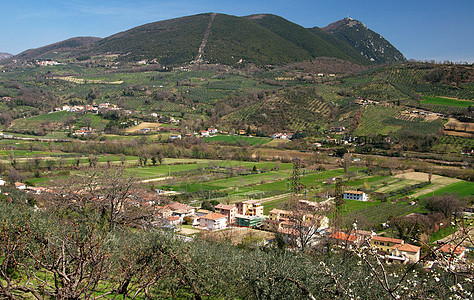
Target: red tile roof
[
  {"x": 354, "y": 192},
  {"x": 343, "y": 236},
  {"x": 214, "y": 216},
  {"x": 225, "y": 207},
  {"x": 407, "y": 248},
  {"x": 386, "y": 239},
  {"x": 449, "y": 248},
  {"x": 277, "y": 211}
]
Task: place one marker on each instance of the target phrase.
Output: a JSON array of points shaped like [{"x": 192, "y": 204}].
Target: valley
[{"x": 157, "y": 157}]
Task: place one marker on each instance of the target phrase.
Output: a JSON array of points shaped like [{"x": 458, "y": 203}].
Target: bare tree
[
  {"x": 305, "y": 218},
  {"x": 110, "y": 194}
]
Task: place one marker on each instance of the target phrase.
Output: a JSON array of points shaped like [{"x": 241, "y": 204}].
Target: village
[{"x": 306, "y": 224}]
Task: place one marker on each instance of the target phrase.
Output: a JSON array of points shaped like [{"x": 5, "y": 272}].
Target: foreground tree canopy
[{"x": 46, "y": 254}]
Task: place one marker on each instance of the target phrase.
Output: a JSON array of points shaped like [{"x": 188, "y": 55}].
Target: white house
[
  {"x": 20, "y": 185},
  {"x": 214, "y": 221},
  {"x": 2, "y": 182},
  {"x": 355, "y": 195}
]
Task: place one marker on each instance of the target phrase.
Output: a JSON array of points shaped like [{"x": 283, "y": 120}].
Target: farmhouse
[{"x": 355, "y": 195}]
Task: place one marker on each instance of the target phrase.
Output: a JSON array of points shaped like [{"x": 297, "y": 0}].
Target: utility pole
[
  {"x": 339, "y": 201},
  {"x": 296, "y": 185}
]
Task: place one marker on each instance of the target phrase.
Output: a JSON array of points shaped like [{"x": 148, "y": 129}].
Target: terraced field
[{"x": 386, "y": 120}]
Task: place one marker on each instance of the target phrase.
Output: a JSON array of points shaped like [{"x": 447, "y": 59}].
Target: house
[
  {"x": 212, "y": 130},
  {"x": 213, "y": 221},
  {"x": 279, "y": 214},
  {"x": 249, "y": 208},
  {"x": 355, "y": 195},
  {"x": 396, "y": 249},
  {"x": 20, "y": 185},
  {"x": 2, "y": 182},
  {"x": 180, "y": 209},
  {"x": 242, "y": 132},
  {"x": 175, "y": 137},
  {"x": 174, "y": 220},
  {"x": 345, "y": 238},
  {"x": 203, "y": 212},
  {"x": 277, "y": 220},
  {"x": 84, "y": 131},
  {"x": 204, "y": 133},
  {"x": 384, "y": 244},
  {"x": 405, "y": 253},
  {"x": 229, "y": 210},
  {"x": 452, "y": 250},
  {"x": 281, "y": 220},
  {"x": 162, "y": 212},
  {"x": 36, "y": 190}
]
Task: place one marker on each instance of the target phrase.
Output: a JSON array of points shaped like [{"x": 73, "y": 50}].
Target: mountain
[
  {"x": 4, "y": 55},
  {"x": 57, "y": 50},
  {"x": 215, "y": 38},
  {"x": 261, "y": 39},
  {"x": 317, "y": 45},
  {"x": 367, "y": 42}
]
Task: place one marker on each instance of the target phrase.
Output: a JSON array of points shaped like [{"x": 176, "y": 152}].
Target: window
[{"x": 381, "y": 244}]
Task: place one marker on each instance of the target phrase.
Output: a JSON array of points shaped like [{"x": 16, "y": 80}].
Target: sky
[{"x": 421, "y": 29}]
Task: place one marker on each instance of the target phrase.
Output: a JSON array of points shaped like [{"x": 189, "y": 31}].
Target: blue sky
[{"x": 420, "y": 29}]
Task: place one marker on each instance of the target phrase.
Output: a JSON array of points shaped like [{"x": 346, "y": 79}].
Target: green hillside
[
  {"x": 283, "y": 111},
  {"x": 59, "y": 49},
  {"x": 302, "y": 37},
  {"x": 233, "y": 38},
  {"x": 260, "y": 39},
  {"x": 172, "y": 41}
]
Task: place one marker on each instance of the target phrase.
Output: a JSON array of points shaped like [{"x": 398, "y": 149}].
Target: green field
[
  {"x": 236, "y": 139},
  {"x": 446, "y": 101},
  {"x": 171, "y": 165},
  {"x": 461, "y": 188}
]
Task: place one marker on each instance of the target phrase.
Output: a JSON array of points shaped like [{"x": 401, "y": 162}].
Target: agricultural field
[
  {"x": 85, "y": 81},
  {"x": 236, "y": 139},
  {"x": 389, "y": 120},
  {"x": 460, "y": 188},
  {"x": 142, "y": 125},
  {"x": 446, "y": 101}
]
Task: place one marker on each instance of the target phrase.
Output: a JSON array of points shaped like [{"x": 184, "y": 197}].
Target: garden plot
[
  {"x": 437, "y": 182},
  {"x": 396, "y": 184},
  {"x": 142, "y": 126}
]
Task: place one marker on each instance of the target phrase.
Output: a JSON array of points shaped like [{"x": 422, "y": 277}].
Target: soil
[{"x": 141, "y": 126}]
